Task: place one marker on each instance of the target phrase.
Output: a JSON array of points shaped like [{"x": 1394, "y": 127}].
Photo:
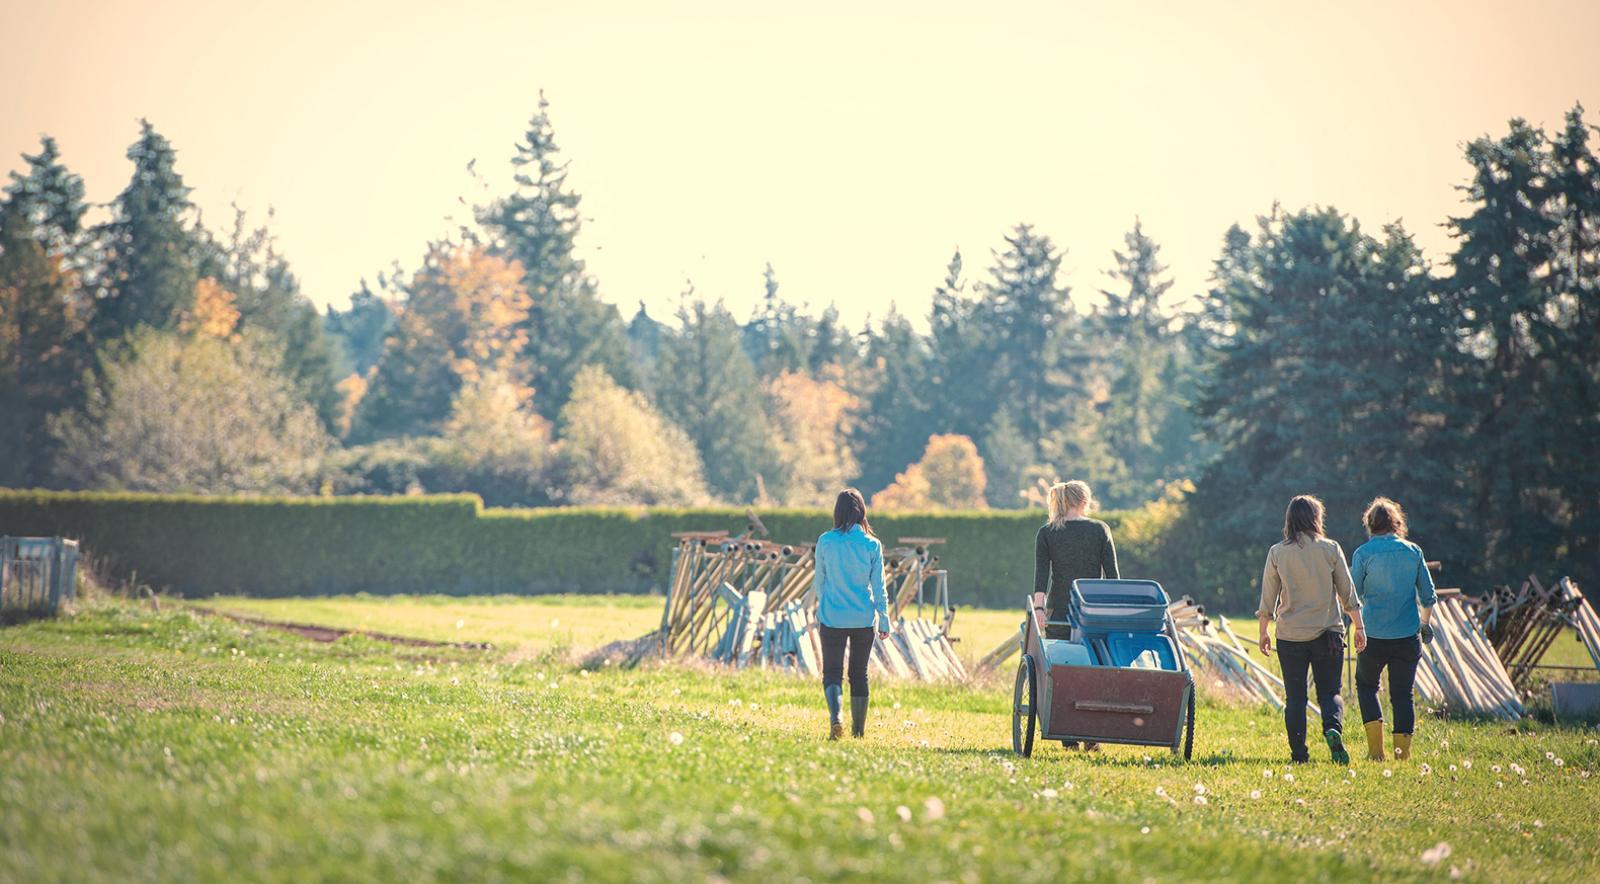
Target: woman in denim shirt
[
  {"x": 851, "y": 601},
  {"x": 1396, "y": 591}
]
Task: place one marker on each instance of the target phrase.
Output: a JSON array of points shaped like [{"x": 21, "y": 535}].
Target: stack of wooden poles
[
  {"x": 1523, "y": 624},
  {"x": 1460, "y": 669},
  {"x": 1584, "y": 619},
  {"x": 744, "y": 601},
  {"x": 1216, "y": 652}
]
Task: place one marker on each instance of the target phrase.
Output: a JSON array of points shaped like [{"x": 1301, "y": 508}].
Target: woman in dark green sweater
[{"x": 1069, "y": 547}]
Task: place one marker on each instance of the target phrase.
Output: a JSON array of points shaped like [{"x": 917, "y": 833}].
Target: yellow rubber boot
[
  {"x": 1402, "y": 747},
  {"x": 1375, "y": 740}
]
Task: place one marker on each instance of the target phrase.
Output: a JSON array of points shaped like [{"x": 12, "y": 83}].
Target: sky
[{"x": 854, "y": 146}]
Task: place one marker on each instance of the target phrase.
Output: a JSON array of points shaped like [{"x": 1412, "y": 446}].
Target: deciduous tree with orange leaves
[{"x": 949, "y": 476}]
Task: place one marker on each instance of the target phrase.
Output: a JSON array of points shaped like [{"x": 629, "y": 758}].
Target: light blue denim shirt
[
  {"x": 849, "y": 580},
  {"x": 1391, "y": 579}
]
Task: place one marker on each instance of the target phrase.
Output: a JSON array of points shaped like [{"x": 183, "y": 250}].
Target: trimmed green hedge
[{"x": 452, "y": 544}]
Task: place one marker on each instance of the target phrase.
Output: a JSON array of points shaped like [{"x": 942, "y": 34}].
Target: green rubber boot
[{"x": 1336, "y": 746}]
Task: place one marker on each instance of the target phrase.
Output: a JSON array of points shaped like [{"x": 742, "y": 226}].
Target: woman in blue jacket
[
  {"x": 1397, "y": 596},
  {"x": 850, "y": 602}
]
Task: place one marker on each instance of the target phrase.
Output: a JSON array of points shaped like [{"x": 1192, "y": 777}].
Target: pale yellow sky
[{"x": 852, "y": 145}]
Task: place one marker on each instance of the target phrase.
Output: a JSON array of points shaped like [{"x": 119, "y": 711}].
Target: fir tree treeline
[{"x": 1322, "y": 358}]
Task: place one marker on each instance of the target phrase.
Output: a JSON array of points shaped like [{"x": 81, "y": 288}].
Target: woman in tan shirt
[{"x": 1305, "y": 584}]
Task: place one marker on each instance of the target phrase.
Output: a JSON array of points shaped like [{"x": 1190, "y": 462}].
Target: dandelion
[
  {"x": 1288, "y": 778},
  {"x": 456, "y": 680},
  {"x": 1452, "y": 768},
  {"x": 735, "y": 702},
  {"x": 1144, "y": 830},
  {"x": 1550, "y": 756},
  {"x": 1467, "y": 764},
  {"x": 1267, "y": 774},
  {"x": 1048, "y": 794},
  {"x": 1538, "y": 824},
  {"x": 1436, "y": 854},
  {"x": 933, "y": 809},
  {"x": 1200, "y": 799},
  {"x": 1300, "y": 801},
  {"x": 460, "y": 623},
  {"x": 1068, "y": 786},
  {"x": 1495, "y": 768},
  {"x": 864, "y": 815},
  {"x": 1352, "y": 773},
  {"x": 554, "y": 622},
  {"x": 1161, "y": 791},
  {"x": 1199, "y": 788},
  {"x": 1560, "y": 763},
  {"x": 1255, "y": 794},
  {"x": 1387, "y": 772},
  {"x": 904, "y": 813},
  {"x": 1424, "y": 770},
  {"x": 675, "y": 738}
]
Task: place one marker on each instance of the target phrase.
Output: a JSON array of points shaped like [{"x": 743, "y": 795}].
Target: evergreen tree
[
  {"x": 896, "y": 419},
  {"x": 707, "y": 386},
  {"x": 644, "y": 342},
  {"x": 39, "y": 365},
  {"x": 1504, "y": 284},
  {"x": 268, "y": 297},
  {"x": 360, "y": 330},
  {"x": 778, "y": 338},
  {"x": 51, "y": 196},
  {"x": 149, "y": 277},
  {"x": 568, "y": 326},
  {"x": 1145, "y": 366},
  {"x": 957, "y": 360},
  {"x": 1575, "y": 336}
]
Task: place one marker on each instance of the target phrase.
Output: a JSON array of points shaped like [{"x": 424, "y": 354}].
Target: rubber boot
[
  {"x": 1336, "y": 746},
  {"x": 835, "y": 694},
  {"x": 858, "y": 716},
  {"x": 1402, "y": 747},
  {"x": 1375, "y": 740}
]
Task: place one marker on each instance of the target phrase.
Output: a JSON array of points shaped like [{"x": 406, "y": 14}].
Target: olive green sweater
[{"x": 1075, "y": 549}]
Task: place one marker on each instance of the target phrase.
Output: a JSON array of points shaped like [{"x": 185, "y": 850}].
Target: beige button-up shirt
[{"x": 1303, "y": 586}]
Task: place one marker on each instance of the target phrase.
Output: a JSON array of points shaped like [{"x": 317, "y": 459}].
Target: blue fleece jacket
[{"x": 849, "y": 580}]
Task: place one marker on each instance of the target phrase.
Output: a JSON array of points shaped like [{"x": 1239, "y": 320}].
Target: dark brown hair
[
  {"x": 1384, "y": 516},
  {"x": 1303, "y": 517},
  {"x": 850, "y": 509}
]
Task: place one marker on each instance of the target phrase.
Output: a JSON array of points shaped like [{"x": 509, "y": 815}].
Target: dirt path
[{"x": 330, "y": 633}]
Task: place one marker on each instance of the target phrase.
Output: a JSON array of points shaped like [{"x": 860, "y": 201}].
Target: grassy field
[
  {"x": 142, "y": 745},
  {"x": 533, "y": 623}
]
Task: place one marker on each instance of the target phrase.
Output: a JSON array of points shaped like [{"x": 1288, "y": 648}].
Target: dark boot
[
  {"x": 858, "y": 715},
  {"x": 834, "y": 693}
]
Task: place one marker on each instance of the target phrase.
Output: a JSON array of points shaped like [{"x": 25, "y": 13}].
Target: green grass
[
  {"x": 533, "y": 623},
  {"x": 137, "y": 745}
]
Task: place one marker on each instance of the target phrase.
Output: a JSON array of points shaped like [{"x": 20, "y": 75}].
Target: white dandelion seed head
[
  {"x": 1048, "y": 794},
  {"x": 1424, "y": 770},
  {"x": 1267, "y": 774},
  {"x": 864, "y": 815},
  {"x": 675, "y": 738},
  {"x": 1437, "y": 853},
  {"x": 1144, "y": 830},
  {"x": 1387, "y": 772},
  {"x": 1288, "y": 778},
  {"x": 1467, "y": 764},
  {"x": 904, "y": 813},
  {"x": 1200, "y": 799},
  {"x": 1255, "y": 794},
  {"x": 1199, "y": 788},
  {"x": 933, "y": 809},
  {"x": 1560, "y": 763}
]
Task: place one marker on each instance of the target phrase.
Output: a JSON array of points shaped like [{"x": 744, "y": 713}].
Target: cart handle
[{"x": 1097, "y": 706}]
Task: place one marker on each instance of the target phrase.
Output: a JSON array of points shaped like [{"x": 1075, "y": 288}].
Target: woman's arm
[
  {"x": 1108, "y": 557},
  {"x": 880, "y": 596},
  {"x": 1345, "y": 589},
  {"x": 1041, "y": 563},
  {"x": 1427, "y": 596},
  {"x": 1271, "y": 589}
]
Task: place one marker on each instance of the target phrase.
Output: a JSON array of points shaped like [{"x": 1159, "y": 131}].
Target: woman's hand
[
  {"x": 1265, "y": 644},
  {"x": 883, "y": 636},
  {"x": 1360, "y": 639}
]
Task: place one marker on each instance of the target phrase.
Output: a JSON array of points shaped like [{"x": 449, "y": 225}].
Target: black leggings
[
  {"x": 1401, "y": 656},
  {"x": 1323, "y": 656},
  {"x": 833, "y": 645}
]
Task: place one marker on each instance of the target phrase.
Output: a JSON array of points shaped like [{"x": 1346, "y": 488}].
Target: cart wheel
[
  {"x": 1024, "y": 714},
  {"x": 1188, "y": 728}
]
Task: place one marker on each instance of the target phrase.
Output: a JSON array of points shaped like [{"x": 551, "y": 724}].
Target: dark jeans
[
  {"x": 1401, "y": 655},
  {"x": 833, "y": 647},
  {"x": 1323, "y": 656}
]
